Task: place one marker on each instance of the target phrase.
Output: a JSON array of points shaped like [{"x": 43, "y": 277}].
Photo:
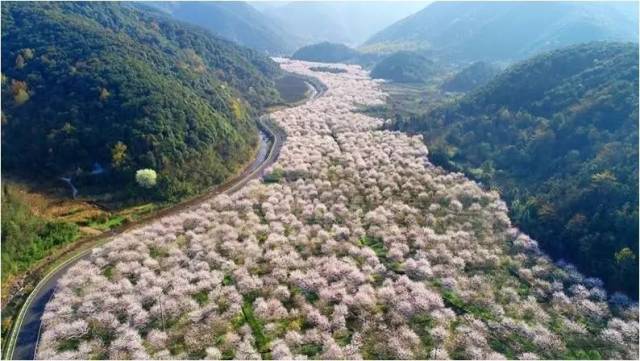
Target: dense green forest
[
  {"x": 471, "y": 77},
  {"x": 27, "y": 238},
  {"x": 117, "y": 88},
  {"x": 404, "y": 67},
  {"x": 326, "y": 52},
  {"x": 557, "y": 135},
  {"x": 292, "y": 88}
]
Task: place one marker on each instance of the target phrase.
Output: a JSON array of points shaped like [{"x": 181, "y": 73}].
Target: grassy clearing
[
  {"x": 257, "y": 327},
  {"x": 107, "y": 223}
]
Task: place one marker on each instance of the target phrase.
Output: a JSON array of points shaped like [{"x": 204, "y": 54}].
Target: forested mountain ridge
[
  {"x": 558, "y": 135},
  {"x": 126, "y": 88},
  {"x": 235, "y": 21},
  {"x": 325, "y": 52},
  {"x": 463, "y": 31},
  {"x": 471, "y": 77},
  {"x": 404, "y": 66}
]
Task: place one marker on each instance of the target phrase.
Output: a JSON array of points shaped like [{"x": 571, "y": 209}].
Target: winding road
[{"x": 23, "y": 340}]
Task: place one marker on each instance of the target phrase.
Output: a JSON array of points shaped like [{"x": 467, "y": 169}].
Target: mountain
[
  {"x": 471, "y": 77},
  {"x": 471, "y": 31},
  {"x": 325, "y": 52},
  {"x": 404, "y": 67},
  {"x": 558, "y": 136},
  {"x": 235, "y": 21},
  {"x": 111, "y": 86},
  {"x": 344, "y": 22}
]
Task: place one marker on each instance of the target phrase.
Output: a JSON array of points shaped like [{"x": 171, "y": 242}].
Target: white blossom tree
[{"x": 363, "y": 249}]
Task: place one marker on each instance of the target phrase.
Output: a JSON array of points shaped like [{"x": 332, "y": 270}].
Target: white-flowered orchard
[{"x": 359, "y": 249}]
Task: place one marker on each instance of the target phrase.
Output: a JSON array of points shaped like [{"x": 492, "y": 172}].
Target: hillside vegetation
[
  {"x": 112, "y": 87},
  {"x": 471, "y": 77},
  {"x": 558, "y": 136},
  {"x": 27, "y": 237},
  {"x": 235, "y": 21},
  {"x": 404, "y": 67},
  {"x": 464, "y": 31},
  {"x": 325, "y": 52}
]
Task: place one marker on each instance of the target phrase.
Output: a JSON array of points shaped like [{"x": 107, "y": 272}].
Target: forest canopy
[
  {"x": 113, "y": 86},
  {"x": 325, "y": 52},
  {"x": 404, "y": 67},
  {"x": 471, "y": 77},
  {"x": 558, "y": 136}
]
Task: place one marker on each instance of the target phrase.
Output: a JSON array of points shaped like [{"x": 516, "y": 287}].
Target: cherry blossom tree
[{"x": 363, "y": 249}]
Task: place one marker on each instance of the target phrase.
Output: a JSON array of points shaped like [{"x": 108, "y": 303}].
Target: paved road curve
[{"x": 23, "y": 340}]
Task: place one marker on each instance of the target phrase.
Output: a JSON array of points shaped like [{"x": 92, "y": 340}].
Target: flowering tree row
[{"x": 354, "y": 246}]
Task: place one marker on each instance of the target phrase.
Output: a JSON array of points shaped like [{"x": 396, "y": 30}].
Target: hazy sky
[{"x": 338, "y": 21}]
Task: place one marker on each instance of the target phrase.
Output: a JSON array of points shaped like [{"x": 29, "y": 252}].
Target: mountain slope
[
  {"x": 235, "y": 21},
  {"x": 405, "y": 67},
  {"x": 325, "y": 52},
  {"x": 349, "y": 23},
  {"x": 112, "y": 85},
  {"x": 558, "y": 136},
  {"x": 471, "y": 77},
  {"x": 506, "y": 30}
]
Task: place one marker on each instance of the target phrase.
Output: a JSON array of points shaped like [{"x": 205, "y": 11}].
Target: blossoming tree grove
[{"x": 360, "y": 248}]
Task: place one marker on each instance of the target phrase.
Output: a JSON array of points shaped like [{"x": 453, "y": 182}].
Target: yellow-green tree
[
  {"x": 19, "y": 91},
  {"x": 118, "y": 154}
]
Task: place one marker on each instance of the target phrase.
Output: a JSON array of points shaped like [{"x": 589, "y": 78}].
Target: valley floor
[{"x": 354, "y": 246}]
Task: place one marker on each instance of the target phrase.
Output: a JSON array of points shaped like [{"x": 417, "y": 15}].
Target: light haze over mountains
[
  {"x": 470, "y": 31},
  {"x": 236, "y": 21},
  {"x": 450, "y": 31},
  {"x": 350, "y": 23}
]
